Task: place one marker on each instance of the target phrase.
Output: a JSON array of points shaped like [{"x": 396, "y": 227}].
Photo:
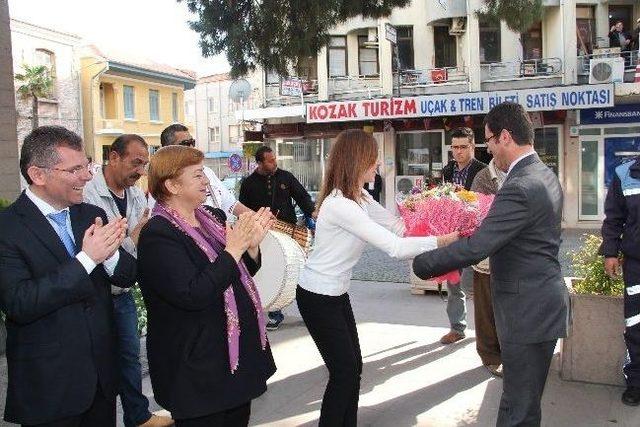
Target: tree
[
  {"x": 274, "y": 34},
  {"x": 36, "y": 83}
]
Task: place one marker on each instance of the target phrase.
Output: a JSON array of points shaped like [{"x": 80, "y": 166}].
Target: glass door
[{"x": 591, "y": 194}]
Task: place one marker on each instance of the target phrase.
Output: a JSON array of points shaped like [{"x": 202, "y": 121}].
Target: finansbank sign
[{"x": 540, "y": 99}]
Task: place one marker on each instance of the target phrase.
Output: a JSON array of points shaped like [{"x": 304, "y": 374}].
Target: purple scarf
[{"x": 211, "y": 240}]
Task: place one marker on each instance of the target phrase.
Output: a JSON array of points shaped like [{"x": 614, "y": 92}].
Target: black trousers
[
  {"x": 525, "y": 368},
  {"x": 631, "y": 272},
  {"x": 101, "y": 413},
  {"x": 332, "y": 326},
  {"x": 234, "y": 417}
]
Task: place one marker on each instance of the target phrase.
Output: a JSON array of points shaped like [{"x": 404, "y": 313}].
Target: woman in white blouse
[{"x": 348, "y": 219}]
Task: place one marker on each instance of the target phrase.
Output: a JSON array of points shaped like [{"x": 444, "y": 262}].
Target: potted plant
[
  {"x": 3, "y": 331},
  {"x": 594, "y": 350}
]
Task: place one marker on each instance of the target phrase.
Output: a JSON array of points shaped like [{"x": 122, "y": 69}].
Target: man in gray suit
[{"x": 521, "y": 235}]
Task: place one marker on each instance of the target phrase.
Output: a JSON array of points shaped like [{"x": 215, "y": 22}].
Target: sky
[{"x": 157, "y": 29}]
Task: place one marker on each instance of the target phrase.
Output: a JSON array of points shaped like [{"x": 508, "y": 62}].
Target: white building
[
  {"x": 211, "y": 113},
  {"x": 445, "y": 69},
  {"x": 35, "y": 45}
]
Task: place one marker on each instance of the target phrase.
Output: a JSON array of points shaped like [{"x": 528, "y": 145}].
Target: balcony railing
[
  {"x": 630, "y": 60},
  {"x": 418, "y": 78},
  {"x": 515, "y": 70},
  {"x": 354, "y": 87},
  {"x": 274, "y": 95}
]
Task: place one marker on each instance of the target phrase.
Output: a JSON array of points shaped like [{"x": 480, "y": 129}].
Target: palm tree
[{"x": 36, "y": 83}]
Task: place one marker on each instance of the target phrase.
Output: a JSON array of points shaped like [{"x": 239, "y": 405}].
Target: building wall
[
  {"x": 101, "y": 131},
  {"x": 9, "y": 174},
  {"x": 64, "y": 106}
]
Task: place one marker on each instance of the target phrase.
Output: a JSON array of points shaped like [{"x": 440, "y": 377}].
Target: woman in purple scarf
[{"x": 206, "y": 338}]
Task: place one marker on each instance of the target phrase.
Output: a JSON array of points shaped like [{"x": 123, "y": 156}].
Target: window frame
[
  {"x": 157, "y": 105},
  {"x": 342, "y": 49},
  {"x": 133, "y": 101}
]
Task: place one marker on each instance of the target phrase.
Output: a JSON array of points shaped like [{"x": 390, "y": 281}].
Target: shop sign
[
  {"x": 291, "y": 87},
  {"x": 627, "y": 113},
  {"x": 390, "y": 33},
  {"x": 539, "y": 99}
]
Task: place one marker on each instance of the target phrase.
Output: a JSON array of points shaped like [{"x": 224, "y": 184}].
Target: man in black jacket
[
  {"x": 58, "y": 257},
  {"x": 461, "y": 171},
  {"x": 620, "y": 231},
  {"x": 275, "y": 188}
]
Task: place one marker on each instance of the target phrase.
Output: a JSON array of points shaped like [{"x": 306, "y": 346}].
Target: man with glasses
[
  {"x": 461, "y": 171},
  {"x": 219, "y": 196},
  {"x": 113, "y": 188},
  {"x": 521, "y": 237},
  {"x": 58, "y": 257}
]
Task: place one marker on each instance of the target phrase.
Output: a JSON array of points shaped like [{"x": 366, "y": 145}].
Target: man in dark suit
[
  {"x": 521, "y": 235},
  {"x": 58, "y": 257}
]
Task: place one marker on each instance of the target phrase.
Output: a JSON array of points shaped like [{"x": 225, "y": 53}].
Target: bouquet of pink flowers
[{"x": 441, "y": 210}]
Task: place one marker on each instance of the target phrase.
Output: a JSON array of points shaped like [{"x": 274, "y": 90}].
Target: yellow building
[{"x": 128, "y": 95}]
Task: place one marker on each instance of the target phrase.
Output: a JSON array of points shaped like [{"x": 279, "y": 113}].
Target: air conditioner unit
[
  {"x": 404, "y": 183},
  {"x": 606, "y": 70},
  {"x": 457, "y": 26}
]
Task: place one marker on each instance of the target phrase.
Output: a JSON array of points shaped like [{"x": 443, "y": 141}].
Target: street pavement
[{"x": 409, "y": 378}]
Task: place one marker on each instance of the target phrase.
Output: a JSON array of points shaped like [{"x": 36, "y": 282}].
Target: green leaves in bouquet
[{"x": 588, "y": 265}]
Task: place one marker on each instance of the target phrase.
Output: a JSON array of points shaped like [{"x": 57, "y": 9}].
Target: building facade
[
  {"x": 432, "y": 66},
  {"x": 34, "y": 45},
  {"x": 211, "y": 112},
  {"x": 9, "y": 172},
  {"x": 123, "y": 94}
]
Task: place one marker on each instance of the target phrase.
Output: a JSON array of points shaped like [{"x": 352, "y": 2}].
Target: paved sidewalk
[{"x": 409, "y": 378}]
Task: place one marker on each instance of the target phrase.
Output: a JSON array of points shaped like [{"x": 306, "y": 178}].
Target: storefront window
[
  {"x": 546, "y": 145},
  {"x": 589, "y": 178},
  {"x": 303, "y": 158},
  {"x": 420, "y": 154}
]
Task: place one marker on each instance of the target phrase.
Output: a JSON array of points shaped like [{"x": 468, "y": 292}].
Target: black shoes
[{"x": 631, "y": 396}]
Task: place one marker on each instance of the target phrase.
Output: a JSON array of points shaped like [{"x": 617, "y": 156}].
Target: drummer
[{"x": 271, "y": 187}]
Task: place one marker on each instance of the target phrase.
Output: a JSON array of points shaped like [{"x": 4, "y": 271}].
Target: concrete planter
[
  {"x": 3, "y": 337},
  {"x": 594, "y": 350}
]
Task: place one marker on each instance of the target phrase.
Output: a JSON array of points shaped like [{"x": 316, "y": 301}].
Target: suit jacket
[
  {"x": 59, "y": 318},
  {"x": 187, "y": 331},
  {"x": 521, "y": 234},
  {"x": 474, "y": 167}
]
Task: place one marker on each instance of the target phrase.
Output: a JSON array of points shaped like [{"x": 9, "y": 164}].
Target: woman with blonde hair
[
  {"x": 206, "y": 336},
  {"x": 348, "y": 219}
]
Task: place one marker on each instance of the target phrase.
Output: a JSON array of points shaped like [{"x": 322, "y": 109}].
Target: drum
[
  {"x": 282, "y": 260},
  {"x": 302, "y": 235}
]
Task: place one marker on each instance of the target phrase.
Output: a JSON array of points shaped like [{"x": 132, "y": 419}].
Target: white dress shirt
[
  {"x": 88, "y": 264},
  {"x": 343, "y": 228},
  {"x": 516, "y": 161}
]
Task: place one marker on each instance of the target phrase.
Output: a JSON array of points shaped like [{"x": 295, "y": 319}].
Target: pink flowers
[{"x": 443, "y": 210}]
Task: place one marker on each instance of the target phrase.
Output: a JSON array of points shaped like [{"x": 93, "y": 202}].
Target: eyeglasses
[
  {"x": 486, "y": 141},
  {"x": 73, "y": 171},
  {"x": 188, "y": 142}
]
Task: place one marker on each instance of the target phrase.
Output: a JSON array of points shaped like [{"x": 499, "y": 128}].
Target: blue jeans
[
  {"x": 134, "y": 404},
  {"x": 456, "y": 301}
]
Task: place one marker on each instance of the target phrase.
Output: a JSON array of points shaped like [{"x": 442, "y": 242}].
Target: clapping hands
[
  {"x": 101, "y": 241},
  {"x": 247, "y": 233}
]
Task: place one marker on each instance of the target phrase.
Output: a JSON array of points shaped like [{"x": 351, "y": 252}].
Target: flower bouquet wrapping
[{"x": 443, "y": 209}]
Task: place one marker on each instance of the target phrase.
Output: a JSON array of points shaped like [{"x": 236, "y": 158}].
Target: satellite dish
[{"x": 240, "y": 90}]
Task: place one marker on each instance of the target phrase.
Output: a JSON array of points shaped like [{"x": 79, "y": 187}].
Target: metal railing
[
  {"x": 274, "y": 96},
  {"x": 513, "y": 70},
  {"x": 407, "y": 79},
  {"x": 354, "y": 85},
  {"x": 630, "y": 60}
]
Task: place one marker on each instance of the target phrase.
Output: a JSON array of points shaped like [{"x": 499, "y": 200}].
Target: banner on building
[
  {"x": 620, "y": 114},
  {"x": 539, "y": 99}
]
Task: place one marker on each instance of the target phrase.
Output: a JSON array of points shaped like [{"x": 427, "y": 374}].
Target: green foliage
[
  {"x": 519, "y": 15},
  {"x": 4, "y": 203},
  {"x": 36, "y": 81},
  {"x": 274, "y": 34},
  {"x": 141, "y": 310},
  {"x": 589, "y": 266}
]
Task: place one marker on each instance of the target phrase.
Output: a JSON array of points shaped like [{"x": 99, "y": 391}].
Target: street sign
[
  {"x": 390, "y": 33},
  {"x": 291, "y": 87},
  {"x": 235, "y": 163}
]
